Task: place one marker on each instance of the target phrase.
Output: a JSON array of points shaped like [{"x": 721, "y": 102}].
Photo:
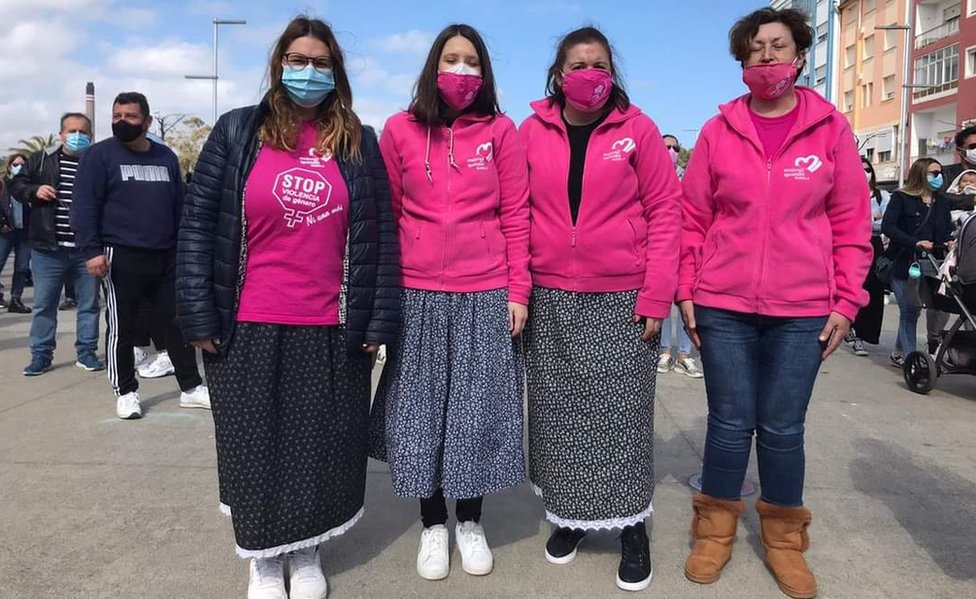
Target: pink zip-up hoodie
[
  {"x": 628, "y": 230},
  {"x": 461, "y": 200},
  {"x": 783, "y": 235}
]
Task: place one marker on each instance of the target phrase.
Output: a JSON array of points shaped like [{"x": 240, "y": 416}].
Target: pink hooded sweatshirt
[
  {"x": 784, "y": 235},
  {"x": 461, "y": 201},
  {"x": 627, "y": 234}
]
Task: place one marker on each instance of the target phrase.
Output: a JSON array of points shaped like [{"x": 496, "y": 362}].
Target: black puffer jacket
[
  {"x": 42, "y": 168},
  {"x": 211, "y": 255}
]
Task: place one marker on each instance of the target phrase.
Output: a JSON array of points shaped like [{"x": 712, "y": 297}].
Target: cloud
[
  {"x": 411, "y": 42},
  {"x": 169, "y": 58},
  {"x": 368, "y": 73}
]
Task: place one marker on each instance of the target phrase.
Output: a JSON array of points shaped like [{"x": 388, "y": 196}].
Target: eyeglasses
[
  {"x": 673, "y": 147},
  {"x": 867, "y": 170},
  {"x": 935, "y": 173},
  {"x": 297, "y": 60},
  {"x": 968, "y": 147}
]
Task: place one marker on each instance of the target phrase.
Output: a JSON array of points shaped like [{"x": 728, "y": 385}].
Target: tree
[
  {"x": 188, "y": 140},
  {"x": 34, "y": 144}
]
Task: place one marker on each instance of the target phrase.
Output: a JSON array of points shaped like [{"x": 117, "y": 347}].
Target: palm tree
[{"x": 34, "y": 144}]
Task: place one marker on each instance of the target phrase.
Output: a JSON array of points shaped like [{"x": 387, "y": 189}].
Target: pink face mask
[
  {"x": 459, "y": 86},
  {"x": 587, "y": 90},
  {"x": 770, "y": 81}
]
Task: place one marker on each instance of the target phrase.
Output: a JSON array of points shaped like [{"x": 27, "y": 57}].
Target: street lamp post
[
  {"x": 216, "y": 25},
  {"x": 903, "y": 124}
]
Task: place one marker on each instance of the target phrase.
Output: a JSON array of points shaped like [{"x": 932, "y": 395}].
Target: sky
[{"x": 673, "y": 54}]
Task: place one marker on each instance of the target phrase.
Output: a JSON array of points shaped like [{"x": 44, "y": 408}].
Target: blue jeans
[
  {"x": 906, "y": 341},
  {"x": 759, "y": 375},
  {"x": 51, "y": 271},
  {"x": 18, "y": 243},
  {"x": 684, "y": 342}
]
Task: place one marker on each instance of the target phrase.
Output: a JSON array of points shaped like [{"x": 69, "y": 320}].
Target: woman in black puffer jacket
[{"x": 288, "y": 278}]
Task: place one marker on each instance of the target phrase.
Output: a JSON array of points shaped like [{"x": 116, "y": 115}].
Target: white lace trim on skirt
[
  {"x": 274, "y": 551},
  {"x": 608, "y": 524}
]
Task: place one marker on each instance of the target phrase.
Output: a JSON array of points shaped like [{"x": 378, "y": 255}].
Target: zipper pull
[{"x": 574, "y": 236}]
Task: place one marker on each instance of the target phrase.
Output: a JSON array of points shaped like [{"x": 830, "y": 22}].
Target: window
[
  {"x": 870, "y": 155},
  {"x": 821, "y": 33},
  {"x": 891, "y": 39},
  {"x": 821, "y": 74},
  {"x": 888, "y": 87},
  {"x": 971, "y": 62},
  {"x": 972, "y": 7},
  {"x": 867, "y": 94},
  {"x": 884, "y": 156},
  {"x": 850, "y": 56},
  {"x": 868, "y": 6},
  {"x": 848, "y": 101},
  {"x": 868, "y": 47},
  {"x": 938, "y": 70}
]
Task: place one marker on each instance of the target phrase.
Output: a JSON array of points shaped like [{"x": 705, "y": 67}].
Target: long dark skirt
[
  {"x": 868, "y": 323},
  {"x": 290, "y": 409},
  {"x": 591, "y": 408},
  {"x": 448, "y": 410}
]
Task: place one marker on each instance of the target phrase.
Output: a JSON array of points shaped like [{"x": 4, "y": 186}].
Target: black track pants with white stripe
[{"x": 137, "y": 275}]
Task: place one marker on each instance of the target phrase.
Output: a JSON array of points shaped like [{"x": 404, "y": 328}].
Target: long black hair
[
  {"x": 427, "y": 105},
  {"x": 873, "y": 183},
  {"x": 584, "y": 35}
]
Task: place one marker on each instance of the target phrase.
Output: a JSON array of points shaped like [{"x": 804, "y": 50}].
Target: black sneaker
[
  {"x": 17, "y": 307},
  {"x": 635, "y": 571},
  {"x": 562, "y": 544},
  {"x": 68, "y": 304}
]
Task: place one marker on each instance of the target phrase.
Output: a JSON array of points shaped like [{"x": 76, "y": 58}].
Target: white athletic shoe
[
  {"x": 665, "y": 363},
  {"x": 433, "y": 557},
  {"x": 127, "y": 406},
  {"x": 305, "y": 573},
  {"x": 158, "y": 368},
  {"x": 267, "y": 579},
  {"x": 476, "y": 557},
  {"x": 140, "y": 356},
  {"x": 688, "y": 367},
  {"x": 199, "y": 397}
]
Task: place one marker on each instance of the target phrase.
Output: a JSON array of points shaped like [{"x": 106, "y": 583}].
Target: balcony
[
  {"x": 949, "y": 28},
  {"x": 935, "y": 89}
]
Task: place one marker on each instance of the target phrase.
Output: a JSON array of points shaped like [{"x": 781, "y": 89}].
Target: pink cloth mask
[
  {"x": 459, "y": 86},
  {"x": 770, "y": 81},
  {"x": 587, "y": 90}
]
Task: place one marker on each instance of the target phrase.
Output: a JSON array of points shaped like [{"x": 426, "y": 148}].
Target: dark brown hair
[
  {"x": 10, "y": 161},
  {"x": 340, "y": 130},
  {"x": 873, "y": 183},
  {"x": 585, "y": 35},
  {"x": 918, "y": 175},
  {"x": 746, "y": 28},
  {"x": 427, "y": 105}
]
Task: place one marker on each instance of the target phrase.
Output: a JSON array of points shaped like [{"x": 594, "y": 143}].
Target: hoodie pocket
[{"x": 638, "y": 231}]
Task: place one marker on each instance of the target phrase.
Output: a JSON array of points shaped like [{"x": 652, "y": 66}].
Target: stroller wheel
[{"x": 920, "y": 372}]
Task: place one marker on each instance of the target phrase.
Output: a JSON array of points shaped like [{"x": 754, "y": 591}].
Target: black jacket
[
  {"x": 212, "y": 253},
  {"x": 904, "y": 216},
  {"x": 42, "y": 168}
]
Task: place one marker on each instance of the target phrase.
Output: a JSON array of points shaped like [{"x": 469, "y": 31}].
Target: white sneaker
[
  {"x": 267, "y": 579},
  {"x": 158, "y": 368},
  {"x": 199, "y": 397},
  {"x": 127, "y": 406},
  {"x": 433, "y": 557},
  {"x": 688, "y": 367},
  {"x": 305, "y": 574},
  {"x": 665, "y": 363},
  {"x": 476, "y": 557},
  {"x": 140, "y": 356}
]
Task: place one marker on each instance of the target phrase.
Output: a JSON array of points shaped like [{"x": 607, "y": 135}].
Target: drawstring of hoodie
[{"x": 450, "y": 155}]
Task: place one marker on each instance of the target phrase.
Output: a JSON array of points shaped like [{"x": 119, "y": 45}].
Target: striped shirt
[{"x": 66, "y": 183}]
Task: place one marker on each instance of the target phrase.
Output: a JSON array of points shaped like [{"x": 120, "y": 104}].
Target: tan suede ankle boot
[
  {"x": 713, "y": 529},
  {"x": 784, "y": 535}
]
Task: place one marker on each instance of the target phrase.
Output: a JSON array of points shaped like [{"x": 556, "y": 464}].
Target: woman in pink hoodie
[
  {"x": 776, "y": 246},
  {"x": 450, "y": 398},
  {"x": 606, "y": 220}
]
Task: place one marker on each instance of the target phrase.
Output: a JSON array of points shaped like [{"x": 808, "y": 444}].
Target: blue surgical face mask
[
  {"x": 306, "y": 86},
  {"x": 77, "y": 142},
  {"x": 936, "y": 182},
  {"x": 15, "y": 169}
]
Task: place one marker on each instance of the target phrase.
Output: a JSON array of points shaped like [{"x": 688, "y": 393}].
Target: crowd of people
[{"x": 494, "y": 262}]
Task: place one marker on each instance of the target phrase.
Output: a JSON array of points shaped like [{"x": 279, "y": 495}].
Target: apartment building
[{"x": 821, "y": 71}]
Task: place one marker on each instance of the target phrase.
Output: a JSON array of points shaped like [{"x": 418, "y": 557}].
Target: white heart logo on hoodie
[
  {"x": 811, "y": 163},
  {"x": 486, "y": 151},
  {"x": 625, "y": 145}
]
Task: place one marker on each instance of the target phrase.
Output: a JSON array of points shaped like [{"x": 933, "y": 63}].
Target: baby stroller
[{"x": 957, "y": 351}]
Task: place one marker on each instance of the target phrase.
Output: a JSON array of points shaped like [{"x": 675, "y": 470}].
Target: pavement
[{"x": 95, "y": 507}]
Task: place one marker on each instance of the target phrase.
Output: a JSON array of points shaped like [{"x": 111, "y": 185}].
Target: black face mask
[{"x": 126, "y": 132}]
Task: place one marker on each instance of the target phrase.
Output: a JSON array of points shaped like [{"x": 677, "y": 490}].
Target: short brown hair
[{"x": 746, "y": 28}]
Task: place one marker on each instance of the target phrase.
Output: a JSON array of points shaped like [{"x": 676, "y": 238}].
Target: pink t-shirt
[
  {"x": 296, "y": 207},
  {"x": 773, "y": 131}
]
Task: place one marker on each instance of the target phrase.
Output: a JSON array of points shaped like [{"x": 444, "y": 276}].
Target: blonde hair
[{"x": 918, "y": 183}]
